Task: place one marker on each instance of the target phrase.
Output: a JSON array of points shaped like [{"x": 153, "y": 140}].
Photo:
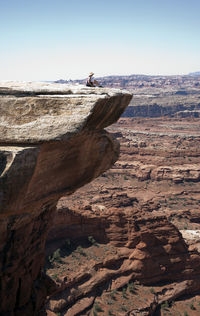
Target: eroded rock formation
[
  {"x": 52, "y": 142},
  {"x": 136, "y": 219},
  {"x": 133, "y": 244}
]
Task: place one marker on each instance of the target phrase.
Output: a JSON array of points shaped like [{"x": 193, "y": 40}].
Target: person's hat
[{"x": 91, "y": 74}]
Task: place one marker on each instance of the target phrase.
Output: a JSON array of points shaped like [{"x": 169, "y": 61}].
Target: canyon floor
[{"x": 155, "y": 186}]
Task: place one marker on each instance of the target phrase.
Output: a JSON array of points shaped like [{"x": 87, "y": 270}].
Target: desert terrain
[
  {"x": 53, "y": 141},
  {"x": 128, "y": 243}
]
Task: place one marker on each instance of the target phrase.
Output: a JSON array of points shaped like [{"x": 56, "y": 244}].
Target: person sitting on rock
[{"x": 91, "y": 82}]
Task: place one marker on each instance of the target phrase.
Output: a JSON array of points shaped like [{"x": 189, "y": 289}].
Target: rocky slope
[
  {"x": 52, "y": 142},
  {"x": 133, "y": 244}
]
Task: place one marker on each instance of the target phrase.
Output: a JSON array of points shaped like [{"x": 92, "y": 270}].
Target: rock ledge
[
  {"x": 38, "y": 112},
  {"x": 52, "y": 142}
]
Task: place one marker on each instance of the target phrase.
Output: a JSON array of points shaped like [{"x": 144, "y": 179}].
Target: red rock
[{"x": 50, "y": 146}]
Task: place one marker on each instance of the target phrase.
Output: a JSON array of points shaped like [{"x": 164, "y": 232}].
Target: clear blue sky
[{"x": 49, "y": 40}]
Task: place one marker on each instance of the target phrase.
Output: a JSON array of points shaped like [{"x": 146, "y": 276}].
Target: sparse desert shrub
[
  {"x": 124, "y": 308},
  {"x": 92, "y": 240},
  {"x": 81, "y": 251},
  {"x": 152, "y": 290},
  {"x": 185, "y": 314},
  {"x": 124, "y": 293},
  {"x": 55, "y": 276},
  {"x": 131, "y": 287},
  {"x": 97, "y": 308},
  {"x": 56, "y": 254},
  {"x": 192, "y": 306},
  {"x": 165, "y": 305},
  {"x": 56, "y": 257},
  {"x": 74, "y": 255},
  {"x": 112, "y": 294}
]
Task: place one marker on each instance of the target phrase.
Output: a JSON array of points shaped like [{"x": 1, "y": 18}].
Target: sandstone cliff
[
  {"x": 133, "y": 245},
  {"x": 52, "y": 142},
  {"x": 136, "y": 213},
  {"x": 156, "y": 110}
]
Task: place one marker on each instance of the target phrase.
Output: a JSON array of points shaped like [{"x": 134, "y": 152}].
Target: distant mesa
[
  {"x": 197, "y": 73},
  {"x": 141, "y": 81}
]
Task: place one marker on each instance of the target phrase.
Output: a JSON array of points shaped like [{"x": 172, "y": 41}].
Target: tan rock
[
  {"x": 80, "y": 306},
  {"x": 177, "y": 173},
  {"x": 36, "y": 112},
  {"x": 138, "y": 254},
  {"x": 52, "y": 142}
]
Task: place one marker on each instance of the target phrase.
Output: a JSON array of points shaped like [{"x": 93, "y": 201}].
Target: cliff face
[
  {"x": 139, "y": 213},
  {"x": 52, "y": 142},
  {"x": 155, "y": 110},
  {"x": 133, "y": 245}
]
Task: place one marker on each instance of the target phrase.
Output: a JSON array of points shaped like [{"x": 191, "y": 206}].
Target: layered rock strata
[
  {"x": 143, "y": 213},
  {"x": 134, "y": 244},
  {"x": 156, "y": 110},
  {"x": 52, "y": 142}
]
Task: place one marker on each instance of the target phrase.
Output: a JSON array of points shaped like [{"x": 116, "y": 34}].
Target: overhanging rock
[
  {"x": 36, "y": 112},
  {"x": 52, "y": 142}
]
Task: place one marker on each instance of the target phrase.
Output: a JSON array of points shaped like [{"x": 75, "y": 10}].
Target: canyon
[
  {"x": 126, "y": 243},
  {"x": 156, "y": 96},
  {"x": 141, "y": 216}
]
